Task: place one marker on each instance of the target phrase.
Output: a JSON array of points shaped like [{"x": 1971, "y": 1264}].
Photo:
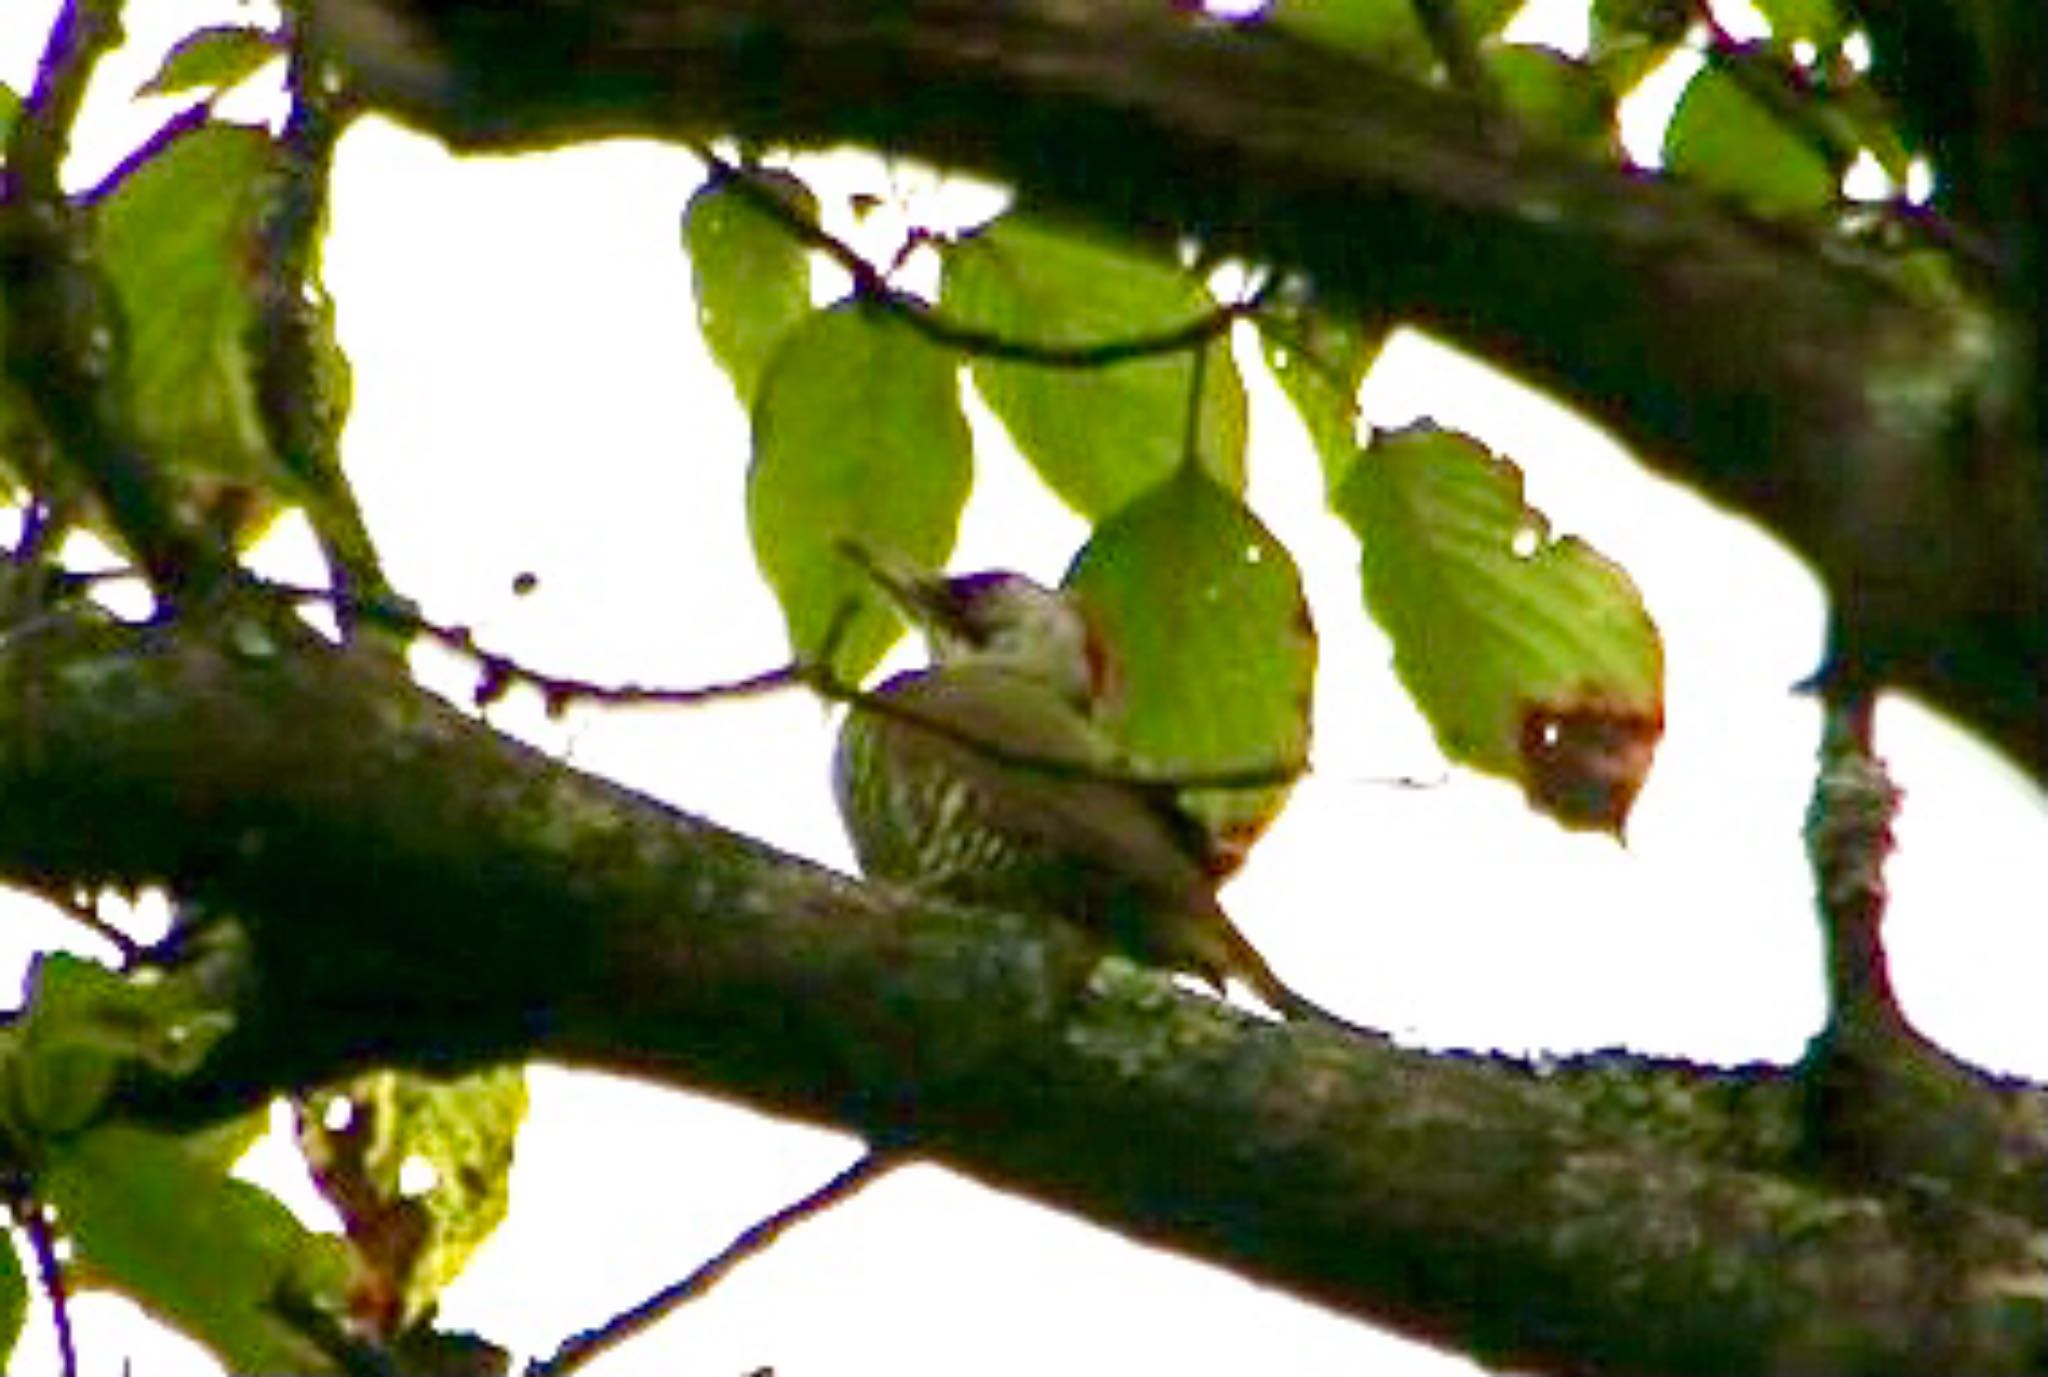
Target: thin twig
[
  {"x": 1191, "y": 429},
  {"x": 85, "y": 31},
  {"x": 870, "y": 285},
  {"x": 499, "y": 672},
  {"x": 580, "y": 1349},
  {"x": 87, "y": 915},
  {"x": 42, "y": 1241},
  {"x": 350, "y": 1355},
  {"x": 42, "y": 530}
]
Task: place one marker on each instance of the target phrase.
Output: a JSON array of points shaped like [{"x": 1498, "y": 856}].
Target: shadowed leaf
[
  {"x": 1722, "y": 138},
  {"x": 185, "y": 1241},
  {"x": 1215, "y": 657}
]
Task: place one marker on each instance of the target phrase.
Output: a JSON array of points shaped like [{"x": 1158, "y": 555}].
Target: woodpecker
[{"x": 986, "y": 780}]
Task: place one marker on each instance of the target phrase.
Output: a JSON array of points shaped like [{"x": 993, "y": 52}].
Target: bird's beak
[{"x": 927, "y": 599}]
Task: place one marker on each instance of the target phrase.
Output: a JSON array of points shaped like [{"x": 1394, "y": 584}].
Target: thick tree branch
[
  {"x": 422, "y": 891},
  {"x": 1887, "y": 434}
]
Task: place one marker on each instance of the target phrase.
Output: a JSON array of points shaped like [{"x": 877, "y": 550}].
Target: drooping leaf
[
  {"x": 217, "y": 57},
  {"x": 858, "y": 435},
  {"x": 1558, "y": 97},
  {"x": 176, "y": 236},
  {"x": 752, "y": 278},
  {"x": 1099, "y": 436},
  {"x": 1213, "y": 655},
  {"x": 1531, "y": 655},
  {"x": 177, "y": 231},
  {"x": 1320, "y": 360},
  {"x": 1720, "y": 137},
  {"x": 205, "y": 1252},
  {"x": 411, "y": 1238}
]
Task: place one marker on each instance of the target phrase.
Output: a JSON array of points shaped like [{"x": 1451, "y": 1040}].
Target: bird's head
[{"x": 999, "y": 620}]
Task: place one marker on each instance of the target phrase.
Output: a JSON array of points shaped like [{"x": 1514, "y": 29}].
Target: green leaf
[
  {"x": 1382, "y": 31},
  {"x": 1559, "y": 97},
  {"x": 216, "y": 58},
  {"x": 1532, "y": 656},
  {"x": 858, "y": 434},
  {"x": 10, "y": 111},
  {"x": 177, "y": 237},
  {"x": 1320, "y": 360},
  {"x": 1386, "y": 32},
  {"x": 85, "y": 1024},
  {"x": 1099, "y": 436},
  {"x": 201, "y": 1250},
  {"x": 1723, "y": 139},
  {"x": 13, "y": 1302},
  {"x": 1213, "y": 654},
  {"x": 463, "y": 1129},
  {"x": 752, "y": 278}
]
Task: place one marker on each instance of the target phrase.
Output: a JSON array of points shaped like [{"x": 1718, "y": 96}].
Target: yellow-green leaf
[
  {"x": 1531, "y": 655},
  {"x": 1558, "y": 97},
  {"x": 1386, "y": 32},
  {"x": 85, "y": 1025},
  {"x": 1098, "y": 435},
  {"x": 1213, "y": 653},
  {"x": 1720, "y": 137},
  {"x": 216, "y": 57},
  {"x": 368, "y": 1139},
  {"x": 176, "y": 234},
  {"x": 858, "y": 435},
  {"x": 752, "y": 278}
]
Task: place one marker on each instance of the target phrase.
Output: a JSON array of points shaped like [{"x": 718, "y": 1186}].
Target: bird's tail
[{"x": 1243, "y": 962}]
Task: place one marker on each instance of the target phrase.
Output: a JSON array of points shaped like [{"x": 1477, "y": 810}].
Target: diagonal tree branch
[
  {"x": 421, "y": 891},
  {"x": 1886, "y": 432}
]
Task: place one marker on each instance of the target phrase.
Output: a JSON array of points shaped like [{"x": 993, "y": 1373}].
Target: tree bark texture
[{"x": 421, "y": 891}]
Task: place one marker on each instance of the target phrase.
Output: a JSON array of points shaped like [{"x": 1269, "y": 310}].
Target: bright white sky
[{"x": 531, "y": 394}]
